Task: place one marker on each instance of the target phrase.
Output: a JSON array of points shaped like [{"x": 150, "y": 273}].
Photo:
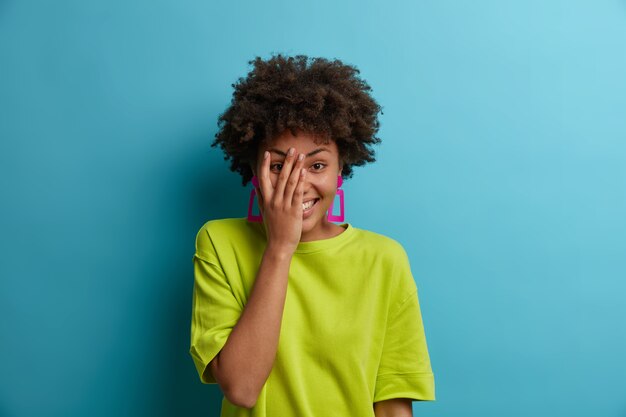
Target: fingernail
[
  {"x": 266, "y": 154},
  {"x": 303, "y": 172},
  {"x": 300, "y": 157},
  {"x": 291, "y": 151}
]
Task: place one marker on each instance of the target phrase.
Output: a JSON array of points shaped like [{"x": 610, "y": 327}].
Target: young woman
[{"x": 294, "y": 315}]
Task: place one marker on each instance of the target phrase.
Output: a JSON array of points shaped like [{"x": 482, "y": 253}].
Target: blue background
[{"x": 502, "y": 171}]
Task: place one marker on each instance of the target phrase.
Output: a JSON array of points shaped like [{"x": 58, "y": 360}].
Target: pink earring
[
  {"x": 252, "y": 217},
  {"x": 340, "y": 217}
]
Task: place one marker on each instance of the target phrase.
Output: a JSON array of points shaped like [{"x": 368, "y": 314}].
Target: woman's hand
[{"x": 281, "y": 206}]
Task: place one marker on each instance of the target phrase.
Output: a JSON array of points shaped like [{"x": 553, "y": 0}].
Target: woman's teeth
[{"x": 308, "y": 204}]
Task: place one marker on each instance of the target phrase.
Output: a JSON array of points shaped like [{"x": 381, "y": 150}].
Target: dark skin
[
  {"x": 321, "y": 163},
  {"x": 395, "y": 407}
]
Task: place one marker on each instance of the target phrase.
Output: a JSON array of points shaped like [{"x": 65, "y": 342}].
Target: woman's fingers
[
  {"x": 279, "y": 190},
  {"x": 298, "y": 195},
  {"x": 289, "y": 188},
  {"x": 293, "y": 180},
  {"x": 264, "y": 178}
]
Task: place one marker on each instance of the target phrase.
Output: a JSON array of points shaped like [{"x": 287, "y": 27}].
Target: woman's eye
[
  {"x": 277, "y": 166},
  {"x": 318, "y": 165}
]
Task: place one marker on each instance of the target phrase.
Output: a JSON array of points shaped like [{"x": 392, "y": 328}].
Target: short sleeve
[
  {"x": 405, "y": 370},
  {"x": 215, "y": 310}
]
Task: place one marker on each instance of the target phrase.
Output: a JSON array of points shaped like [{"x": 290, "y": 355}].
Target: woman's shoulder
[
  {"x": 224, "y": 225},
  {"x": 225, "y": 231},
  {"x": 379, "y": 242}
]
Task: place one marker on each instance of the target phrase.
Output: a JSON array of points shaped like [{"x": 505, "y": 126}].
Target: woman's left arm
[{"x": 395, "y": 407}]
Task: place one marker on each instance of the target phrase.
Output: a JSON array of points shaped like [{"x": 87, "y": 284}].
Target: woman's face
[{"x": 323, "y": 166}]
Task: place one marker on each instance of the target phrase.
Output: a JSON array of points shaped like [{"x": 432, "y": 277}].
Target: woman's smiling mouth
[{"x": 308, "y": 206}]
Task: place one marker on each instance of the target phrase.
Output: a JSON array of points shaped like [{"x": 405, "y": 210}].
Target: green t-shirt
[{"x": 351, "y": 332}]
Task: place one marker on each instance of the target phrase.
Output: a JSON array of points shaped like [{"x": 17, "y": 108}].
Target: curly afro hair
[{"x": 314, "y": 95}]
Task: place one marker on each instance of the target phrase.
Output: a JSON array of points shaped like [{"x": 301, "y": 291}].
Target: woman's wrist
[{"x": 279, "y": 252}]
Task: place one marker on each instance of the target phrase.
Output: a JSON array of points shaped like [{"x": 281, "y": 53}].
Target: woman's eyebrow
[{"x": 318, "y": 150}]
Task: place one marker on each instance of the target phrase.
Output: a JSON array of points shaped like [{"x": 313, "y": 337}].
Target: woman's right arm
[{"x": 246, "y": 360}]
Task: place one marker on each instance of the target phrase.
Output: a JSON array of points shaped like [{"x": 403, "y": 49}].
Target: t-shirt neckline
[{"x": 328, "y": 243}]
